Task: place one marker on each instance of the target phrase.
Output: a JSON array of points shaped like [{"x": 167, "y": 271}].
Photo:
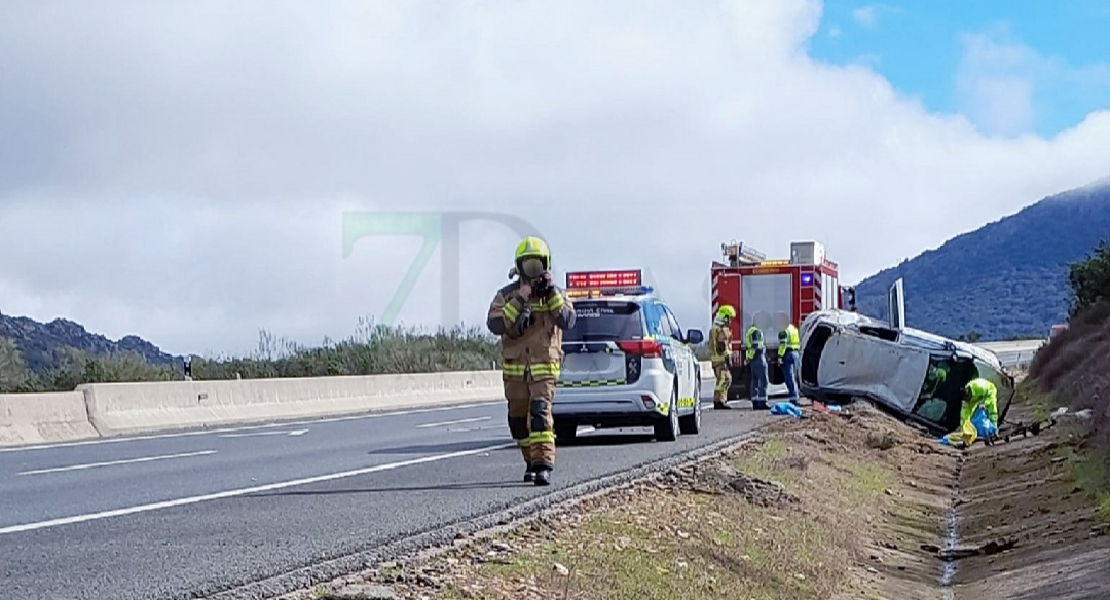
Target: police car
[{"x": 626, "y": 362}]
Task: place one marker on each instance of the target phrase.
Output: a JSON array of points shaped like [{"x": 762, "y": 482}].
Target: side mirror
[{"x": 694, "y": 336}]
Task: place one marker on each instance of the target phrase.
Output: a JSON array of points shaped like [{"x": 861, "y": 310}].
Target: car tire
[
  {"x": 666, "y": 430},
  {"x": 691, "y": 424}
]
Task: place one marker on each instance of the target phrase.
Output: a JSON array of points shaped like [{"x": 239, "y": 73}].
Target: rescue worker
[
  {"x": 977, "y": 393},
  {"x": 720, "y": 346},
  {"x": 530, "y": 315},
  {"x": 934, "y": 378},
  {"x": 789, "y": 346},
  {"x": 757, "y": 360}
]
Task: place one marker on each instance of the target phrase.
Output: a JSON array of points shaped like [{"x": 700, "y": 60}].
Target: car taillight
[{"x": 644, "y": 348}]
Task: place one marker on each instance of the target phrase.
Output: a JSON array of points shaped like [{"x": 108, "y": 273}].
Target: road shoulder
[{"x": 823, "y": 507}]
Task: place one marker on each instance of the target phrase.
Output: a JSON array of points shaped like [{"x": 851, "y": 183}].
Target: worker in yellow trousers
[
  {"x": 530, "y": 315},
  {"x": 720, "y": 349}
]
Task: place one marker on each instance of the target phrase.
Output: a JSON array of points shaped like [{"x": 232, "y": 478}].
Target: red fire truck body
[{"x": 771, "y": 293}]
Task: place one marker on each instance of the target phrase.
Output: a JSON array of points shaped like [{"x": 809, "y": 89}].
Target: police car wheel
[
  {"x": 666, "y": 430},
  {"x": 691, "y": 423}
]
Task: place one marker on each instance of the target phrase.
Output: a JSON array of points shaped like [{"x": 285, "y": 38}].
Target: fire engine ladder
[{"x": 737, "y": 254}]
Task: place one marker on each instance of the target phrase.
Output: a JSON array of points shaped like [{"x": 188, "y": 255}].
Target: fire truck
[{"x": 772, "y": 293}]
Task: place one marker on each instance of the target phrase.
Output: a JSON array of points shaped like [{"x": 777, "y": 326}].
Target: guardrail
[{"x": 112, "y": 409}]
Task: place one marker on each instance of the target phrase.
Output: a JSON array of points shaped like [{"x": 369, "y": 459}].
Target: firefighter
[
  {"x": 978, "y": 393},
  {"x": 530, "y": 315},
  {"x": 757, "y": 361},
  {"x": 789, "y": 346},
  {"x": 720, "y": 336}
]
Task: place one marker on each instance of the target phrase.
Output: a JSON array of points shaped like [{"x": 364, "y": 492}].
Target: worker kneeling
[
  {"x": 978, "y": 415},
  {"x": 530, "y": 315}
]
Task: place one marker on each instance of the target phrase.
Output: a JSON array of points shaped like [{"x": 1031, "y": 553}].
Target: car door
[{"x": 684, "y": 359}]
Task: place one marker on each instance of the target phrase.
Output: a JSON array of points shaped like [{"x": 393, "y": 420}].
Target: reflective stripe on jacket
[{"x": 538, "y": 346}]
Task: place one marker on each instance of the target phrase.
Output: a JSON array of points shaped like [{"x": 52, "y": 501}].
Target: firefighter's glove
[
  {"x": 542, "y": 287},
  {"x": 721, "y": 346},
  {"x": 523, "y": 320}
]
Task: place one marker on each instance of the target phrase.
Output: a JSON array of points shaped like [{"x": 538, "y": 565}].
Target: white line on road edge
[
  {"x": 229, "y": 429},
  {"x": 455, "y": 422},
  {"x": 262, "y": 433},
  {"x": 117, "y": 462},
  {"x": 244, "y": 491}
]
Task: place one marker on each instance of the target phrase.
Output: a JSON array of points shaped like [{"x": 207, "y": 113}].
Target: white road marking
[
  {"x": 262, "y": 433},
  {"x": 117, "y": 462},
  {"x": 230, "y": 429},
  {"x": 455, "y": 422},
  {"x": 243, "y": 491}
]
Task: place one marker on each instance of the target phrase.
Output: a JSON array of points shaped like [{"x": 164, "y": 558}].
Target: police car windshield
[{"x": 605, "y": 320}]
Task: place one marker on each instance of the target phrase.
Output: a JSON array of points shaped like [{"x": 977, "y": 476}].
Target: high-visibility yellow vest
[
  {"x": 753, "y": 340},
  {"x": 789, "y": 340}
]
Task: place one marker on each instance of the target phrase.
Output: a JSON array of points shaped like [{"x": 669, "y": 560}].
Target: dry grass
[
  {"x": 1073, "y": 370},
  {"x": 821, "y": 508},
  {"x": 680, "y": 544}
]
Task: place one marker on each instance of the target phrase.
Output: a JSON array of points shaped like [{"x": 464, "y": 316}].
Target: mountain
[
  {"x": 1006, "y": 279},
  {"x": 39, "y": 342}
]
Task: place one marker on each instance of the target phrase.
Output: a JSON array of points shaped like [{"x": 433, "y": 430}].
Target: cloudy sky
[{"x": 182, "y": 171}]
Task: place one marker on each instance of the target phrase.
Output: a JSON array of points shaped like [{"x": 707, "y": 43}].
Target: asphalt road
[{"x": 181, "y": 516}]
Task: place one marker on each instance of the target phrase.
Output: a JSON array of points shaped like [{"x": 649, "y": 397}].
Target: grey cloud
[{"x": 179, "y": 170}]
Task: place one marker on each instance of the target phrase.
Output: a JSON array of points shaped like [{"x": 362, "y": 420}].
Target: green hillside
[{"x": 1004, "y": 280}]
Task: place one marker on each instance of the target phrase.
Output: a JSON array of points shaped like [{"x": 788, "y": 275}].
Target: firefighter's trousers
[
  {"x": 724, "y": 380},
  {"x": 530, "y": 420}
]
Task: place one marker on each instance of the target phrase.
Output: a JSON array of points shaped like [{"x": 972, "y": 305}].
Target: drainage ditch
[{"x": 951, "y": 536}]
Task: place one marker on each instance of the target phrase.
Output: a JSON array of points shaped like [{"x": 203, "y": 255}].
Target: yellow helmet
[
  {"x": 532, "y": 247},
  {"x": 726, "y": 311}
]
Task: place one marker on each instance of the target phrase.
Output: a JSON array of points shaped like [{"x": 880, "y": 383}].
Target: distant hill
[
  {"x": 1006, "y": 279},
  {"x": 40, "y": 342}
]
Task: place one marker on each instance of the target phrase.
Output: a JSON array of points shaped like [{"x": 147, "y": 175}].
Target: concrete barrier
[
  {"x": 122, "y": 408},
  {"x": 43, "y": 418},
  {"x": 111, "y": 409}
]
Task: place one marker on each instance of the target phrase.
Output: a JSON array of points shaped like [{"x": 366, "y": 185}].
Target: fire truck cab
[{"x": 771, "y": 294}]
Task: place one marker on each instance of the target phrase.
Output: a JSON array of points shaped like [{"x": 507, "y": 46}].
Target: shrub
[{"x": 1090, "y": 279}]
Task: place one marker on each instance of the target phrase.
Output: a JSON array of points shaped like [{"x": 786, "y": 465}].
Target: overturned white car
[{"x": 914, "y": 374}]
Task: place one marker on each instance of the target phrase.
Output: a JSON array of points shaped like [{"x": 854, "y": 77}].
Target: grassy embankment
[{"x": 824, "y": 507}]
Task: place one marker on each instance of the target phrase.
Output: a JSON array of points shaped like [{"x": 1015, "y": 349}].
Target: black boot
[
  {"x": 529, "y": 474},
  {"x": 543, "y": 477}
]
